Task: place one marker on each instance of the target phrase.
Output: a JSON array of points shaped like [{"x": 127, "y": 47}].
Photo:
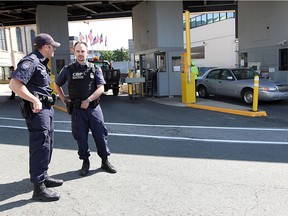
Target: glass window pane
[
  {"x": 222, "y": 16},
  {"x": 216, "y": 17},
  {"x": 198, "y": 52},
  {"x": 19, "y": 39},
  {"x": 209, "y": 18},
  {"x": 3, "y": 44},
  {"x": 193, "y": 23},
  {"x": 204, "y": 19},
  {"x": 283, "y": 59},
  {"x": 230, "y": 15},
  {"x": 198, "y": 21},
  {"x": 32, "y": 36}
]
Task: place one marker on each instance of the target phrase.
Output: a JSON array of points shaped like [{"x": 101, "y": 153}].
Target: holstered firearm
[
  {"x": 69, "y": 107},
  {"x": 25, "y": 108},
  {"x": 47, "y": 101},
  {"x": 76, "y": 104}
]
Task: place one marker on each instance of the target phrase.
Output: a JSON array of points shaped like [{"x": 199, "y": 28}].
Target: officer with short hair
[
  {"x": 31, "y": 82},
  {"x": 85, "y": 86}
]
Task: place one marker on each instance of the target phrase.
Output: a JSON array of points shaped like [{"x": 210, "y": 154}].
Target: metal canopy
[{"x": 20, "y": 12}]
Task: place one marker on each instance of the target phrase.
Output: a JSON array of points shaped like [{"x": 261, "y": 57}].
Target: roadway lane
[{"x": 170, "y": 160}]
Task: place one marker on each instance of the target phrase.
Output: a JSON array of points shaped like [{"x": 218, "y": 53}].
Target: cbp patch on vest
[
  {"x": 26, "y": 65},
  {"x": 92, "y": 75},
  {"x": 77, "y": 75}
]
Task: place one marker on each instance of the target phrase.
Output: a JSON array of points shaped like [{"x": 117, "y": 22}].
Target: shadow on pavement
[{"x": 13, "y": 189}]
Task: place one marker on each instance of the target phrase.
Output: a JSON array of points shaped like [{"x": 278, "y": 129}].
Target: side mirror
[{"x": 230, "y": 78}]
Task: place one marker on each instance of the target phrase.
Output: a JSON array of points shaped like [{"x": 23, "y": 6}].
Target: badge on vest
[
  {"x": 92, "y": 75},
  {"x": 77, "y": 75}
]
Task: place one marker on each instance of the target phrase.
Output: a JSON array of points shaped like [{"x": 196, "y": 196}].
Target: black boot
[
  {"x": 51, "y": 182},
  {"x": 43, "y": 194},
  {"x": 85, "y": 167},
  {"x": 107, "y": 166}
]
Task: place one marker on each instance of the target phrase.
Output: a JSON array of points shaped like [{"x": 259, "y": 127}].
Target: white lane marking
[
  {"x": 171, "y": 138},
  {"x": 172, "y": 126}
]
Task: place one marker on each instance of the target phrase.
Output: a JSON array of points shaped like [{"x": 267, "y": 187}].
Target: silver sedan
[{"x": 239, "y": 83}]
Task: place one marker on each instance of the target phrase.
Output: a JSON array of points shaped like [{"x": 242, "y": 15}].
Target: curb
[
  {"x": 230, "y": 111},
  {"x": 60, "y": 108},
  {"x": 210, "y": 108}
]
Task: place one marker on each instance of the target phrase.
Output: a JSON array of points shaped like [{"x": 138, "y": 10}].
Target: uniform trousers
[
  {"x": 93, "y": 119},
  {"x": 41, "y": 140}
]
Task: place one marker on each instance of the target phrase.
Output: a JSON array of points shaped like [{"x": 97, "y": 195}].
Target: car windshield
[{"x": 241, "y": 74}]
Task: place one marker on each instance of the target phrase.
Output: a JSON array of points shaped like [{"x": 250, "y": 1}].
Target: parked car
[
  {"x": 203, "y": 70},
  {"x": 239, "y": 83}
]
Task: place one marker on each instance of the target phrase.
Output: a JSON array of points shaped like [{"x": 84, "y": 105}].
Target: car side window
[
  {"x": 226, "y": 75},
  {"x": 213, "y": 74}
]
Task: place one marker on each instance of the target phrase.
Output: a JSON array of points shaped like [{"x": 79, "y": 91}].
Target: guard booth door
[{"x": 174, "y": 73}]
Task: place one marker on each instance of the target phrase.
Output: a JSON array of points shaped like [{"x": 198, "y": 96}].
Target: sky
[{"x": 117, "y": 31}]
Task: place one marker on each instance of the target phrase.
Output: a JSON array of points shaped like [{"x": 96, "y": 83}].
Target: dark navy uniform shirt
[
  {"x": 65, "y": 74},
  {"x": 34, "y": 72}
]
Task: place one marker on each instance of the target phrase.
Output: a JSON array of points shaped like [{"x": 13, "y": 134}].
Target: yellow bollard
[
  {"x": 130, "y": 89},
  {"x": 255, "y": 94},
  {"x": 52, "y": 81}
]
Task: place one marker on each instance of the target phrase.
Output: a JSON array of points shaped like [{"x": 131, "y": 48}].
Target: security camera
[{"x": 283, "y": 43}]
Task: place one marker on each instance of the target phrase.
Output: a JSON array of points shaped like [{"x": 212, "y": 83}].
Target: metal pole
[{"x": 188, "y": 45}]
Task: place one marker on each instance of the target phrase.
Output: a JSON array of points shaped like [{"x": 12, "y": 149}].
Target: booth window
[
  {"x": 176, "y": 64},
  {"x": 283, "y": 59},
  {"x": 161, "y": 61}
]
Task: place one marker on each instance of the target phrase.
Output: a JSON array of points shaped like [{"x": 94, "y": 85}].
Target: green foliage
[
  {"x": 116, "y": 55},
  {"x": 106, "y": 55}
]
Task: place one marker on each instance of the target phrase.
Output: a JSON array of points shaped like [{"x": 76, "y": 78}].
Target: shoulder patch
[{"x": 26, "y": 65}]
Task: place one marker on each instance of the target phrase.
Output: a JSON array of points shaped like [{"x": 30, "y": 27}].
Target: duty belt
[
  {"x": 76, "y": 103},
  {"x": 47, "y": 101}
]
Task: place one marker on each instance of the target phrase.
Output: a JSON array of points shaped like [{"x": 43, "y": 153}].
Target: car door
[
  {"x": 211, "y": 81},
  {"x": 226, "y": 83}
]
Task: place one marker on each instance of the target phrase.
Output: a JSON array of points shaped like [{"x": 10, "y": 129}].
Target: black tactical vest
[{"x": 81, "y": 83}]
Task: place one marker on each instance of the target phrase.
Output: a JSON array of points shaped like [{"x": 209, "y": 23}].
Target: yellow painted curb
[
  {"x": 230, "y": 111},
  {"x": 60, "y": 108}
]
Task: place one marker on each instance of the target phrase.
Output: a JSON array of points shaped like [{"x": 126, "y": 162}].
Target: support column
[{"x": 53, "y": 20}]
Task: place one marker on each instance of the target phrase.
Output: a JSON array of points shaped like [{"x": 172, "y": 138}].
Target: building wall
[
  {"x": 12, "y": 56},
  {"x": 262, "y": 28},
  {"x": 219, "y": 43}
]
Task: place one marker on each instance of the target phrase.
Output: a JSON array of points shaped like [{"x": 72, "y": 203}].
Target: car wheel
[
  {"x": 202, "y": 92},
  {"x": 247, "y": 96}
]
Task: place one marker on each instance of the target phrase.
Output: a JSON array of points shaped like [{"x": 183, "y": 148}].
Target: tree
[
  {"x": 121, "y": 55},
  {"x": 106, "y": 55},
  {"x": 116, "y": 55}
]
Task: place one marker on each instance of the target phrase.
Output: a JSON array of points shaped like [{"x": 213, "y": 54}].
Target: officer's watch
[{"x": 88, "y": 100}]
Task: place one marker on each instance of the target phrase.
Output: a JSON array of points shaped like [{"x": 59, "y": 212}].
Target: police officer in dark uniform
[
  {"x": 85, "y": 86},
  {"x": 31, "y": 82}
]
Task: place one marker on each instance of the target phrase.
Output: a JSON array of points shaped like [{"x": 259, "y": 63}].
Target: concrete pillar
[
  {"x": 158, "y": 28},
  {"x": 53, "y": 20}
]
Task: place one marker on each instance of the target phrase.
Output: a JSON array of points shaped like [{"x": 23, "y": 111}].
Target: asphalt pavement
[{"x": 144, "y": 184}]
